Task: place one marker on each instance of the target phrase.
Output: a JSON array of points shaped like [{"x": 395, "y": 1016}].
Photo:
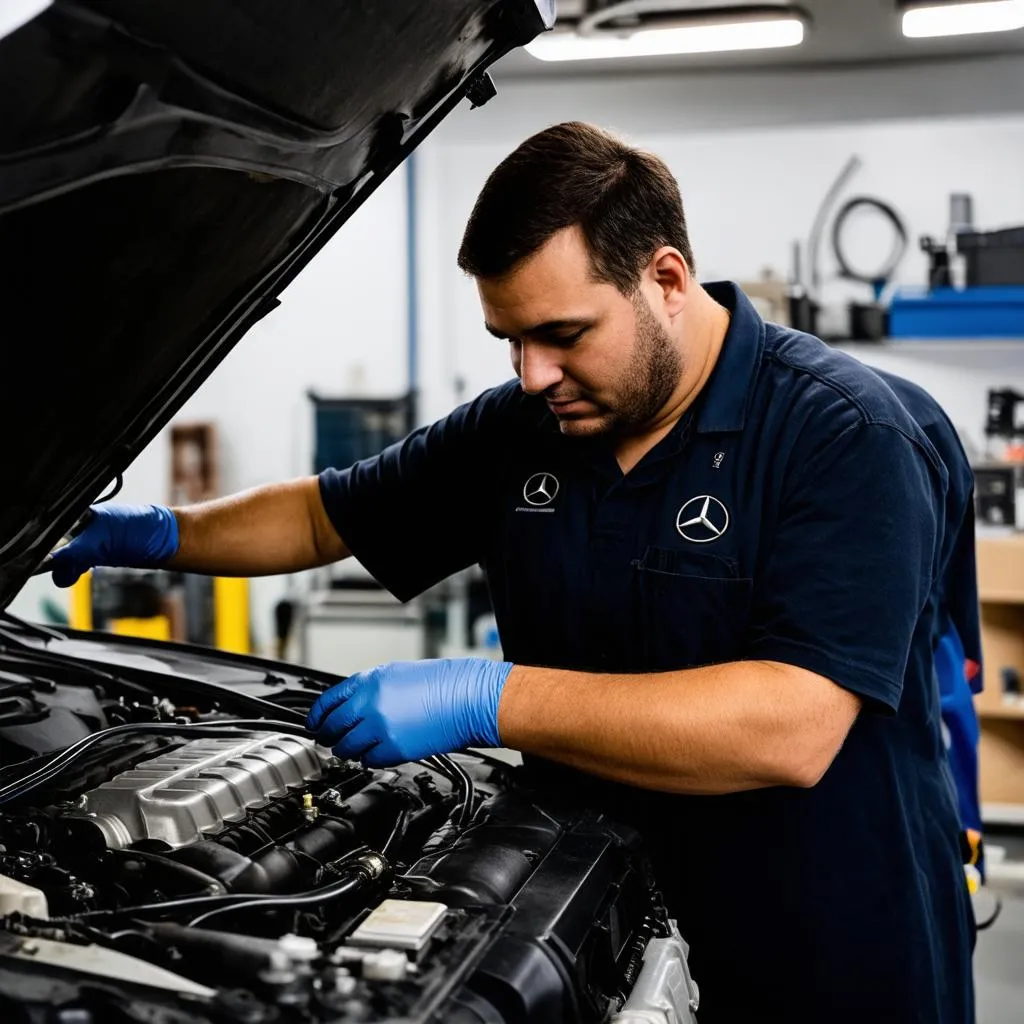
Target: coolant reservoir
[{"x": 18, "y": 897}]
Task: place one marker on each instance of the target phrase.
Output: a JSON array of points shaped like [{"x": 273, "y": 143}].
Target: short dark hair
[{"x": 625, "y": 201}]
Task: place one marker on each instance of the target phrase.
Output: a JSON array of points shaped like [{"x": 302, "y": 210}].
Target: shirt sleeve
[
  {"x": 959, "y": 605},
  {"x": 960, "y": 595},
  {"x": 852, "y": 563},
  {"x": 415, "y": 514}
]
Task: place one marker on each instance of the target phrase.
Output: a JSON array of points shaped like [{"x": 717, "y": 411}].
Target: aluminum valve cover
[{"x": 195, "y": 790}]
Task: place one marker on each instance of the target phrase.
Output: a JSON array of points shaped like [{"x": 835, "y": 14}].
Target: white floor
[{"x": 999, "y": 964}]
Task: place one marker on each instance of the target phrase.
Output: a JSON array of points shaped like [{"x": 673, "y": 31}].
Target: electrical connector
[{"x": 309, "y": 811}]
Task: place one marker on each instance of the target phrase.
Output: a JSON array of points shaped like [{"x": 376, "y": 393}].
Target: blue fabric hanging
[{"x": 960, "y": 723}]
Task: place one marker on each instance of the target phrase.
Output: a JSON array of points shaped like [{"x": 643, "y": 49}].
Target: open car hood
[{"x": 166, "y": 169}]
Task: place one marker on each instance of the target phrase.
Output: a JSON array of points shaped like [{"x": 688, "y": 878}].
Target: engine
[
  {"x": 194, "y": 791},
  {"x": 264, "y": 814},
  {"x": 254, "y": 875}
]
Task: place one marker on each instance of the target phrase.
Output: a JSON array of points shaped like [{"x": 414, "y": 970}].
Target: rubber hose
[{"x": 899, "y": 250}]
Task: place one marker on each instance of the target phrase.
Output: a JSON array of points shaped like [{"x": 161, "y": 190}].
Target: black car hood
[{"x": 166, "y": 169}]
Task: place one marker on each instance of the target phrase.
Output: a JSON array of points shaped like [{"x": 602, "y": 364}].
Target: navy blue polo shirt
[
  {"x": 794, "y": 514},
  {"x": 958, "y": 659},
  {"x": 958, "y": 576}
]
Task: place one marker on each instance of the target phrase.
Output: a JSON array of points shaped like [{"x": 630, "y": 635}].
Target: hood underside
[{"x": 166, "y": 169}]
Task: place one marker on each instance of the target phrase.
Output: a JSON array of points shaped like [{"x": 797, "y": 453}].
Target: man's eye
[{"x": 569, "y": 339}]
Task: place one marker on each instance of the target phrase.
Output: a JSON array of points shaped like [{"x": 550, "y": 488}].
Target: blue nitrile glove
[
  {"x": 408, "y": 710},
  {"x": 139, "y": 536}
]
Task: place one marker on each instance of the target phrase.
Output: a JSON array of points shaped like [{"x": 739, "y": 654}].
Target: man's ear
[{"x": 670, "y": 276}]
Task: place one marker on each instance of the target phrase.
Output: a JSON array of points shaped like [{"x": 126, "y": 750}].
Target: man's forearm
[
  {"x": 280, "y": 528},
  {"x": 721, "y": 729}
]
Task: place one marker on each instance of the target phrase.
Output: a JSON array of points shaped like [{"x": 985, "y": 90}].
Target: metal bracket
[
  {"x": 664, "y": 992},
  {"x": 480, "y": 90}
]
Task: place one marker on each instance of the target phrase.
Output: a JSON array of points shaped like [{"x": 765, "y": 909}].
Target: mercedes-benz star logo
[
  {"x": 702, "y": 519},
  {"x": 541, "y": 489}
]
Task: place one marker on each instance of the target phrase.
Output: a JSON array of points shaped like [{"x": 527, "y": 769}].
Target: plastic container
[
  {"x": 993, "y": 257},
  {"x": 996, "y": 312}
]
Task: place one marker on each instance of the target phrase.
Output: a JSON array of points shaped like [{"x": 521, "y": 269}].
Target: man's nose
[{"x": 539, "y": 368}]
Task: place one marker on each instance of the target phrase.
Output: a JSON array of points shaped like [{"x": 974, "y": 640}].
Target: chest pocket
[{"x": 693, "y": 609}]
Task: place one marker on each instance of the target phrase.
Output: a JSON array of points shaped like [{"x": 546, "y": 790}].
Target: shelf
[
  {"x": 1001, "y": 596},
  {"x": 1001, "y": 750},
  {"x": 1003, "y": 872},
  {"x": 1002, "y": 814},
  {"x": 1007, "y": 713},
  {"x": 1001, "y": 760},
  {"x": 1001, "y": 569},
  {"x": 966, "y": 342},
  {"x": 922, "y": 346}
]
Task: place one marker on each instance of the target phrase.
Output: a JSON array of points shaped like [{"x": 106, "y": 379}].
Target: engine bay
[{"x": 166, "y": 855}]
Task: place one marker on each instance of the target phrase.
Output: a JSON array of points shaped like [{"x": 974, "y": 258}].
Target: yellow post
[
  {"x": 80, "y": 603},
  {"x": 156, "y": 627},
  {"x": 231, "y": 614}
]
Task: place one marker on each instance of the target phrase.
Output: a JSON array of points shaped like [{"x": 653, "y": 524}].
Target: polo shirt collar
[{"x": 723, "y": 405}]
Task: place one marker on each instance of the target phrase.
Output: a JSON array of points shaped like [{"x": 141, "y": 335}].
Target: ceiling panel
[{"x": 842, "y": 32}]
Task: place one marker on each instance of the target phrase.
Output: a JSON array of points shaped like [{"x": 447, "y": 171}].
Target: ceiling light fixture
[
  {"x": 650, "y": 28},
  {"x": 964, "y": 17}
]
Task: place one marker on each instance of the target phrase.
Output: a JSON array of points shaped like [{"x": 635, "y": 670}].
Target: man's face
[{"x": 604, "y": 362}]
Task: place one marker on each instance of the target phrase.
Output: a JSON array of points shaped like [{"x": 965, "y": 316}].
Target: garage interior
[{"x": 860, "y": 177}]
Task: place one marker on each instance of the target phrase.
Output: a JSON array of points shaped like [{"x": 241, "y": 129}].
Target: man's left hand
[{"x": 408, "y": 710}]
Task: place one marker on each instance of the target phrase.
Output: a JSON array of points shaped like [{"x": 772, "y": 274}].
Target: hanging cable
[
  {"x": 466, "y": 808},
  {"x": 464, "y": 784},
  {"x": 455, "y": 774},
  {"x": 899, "y": 249}
]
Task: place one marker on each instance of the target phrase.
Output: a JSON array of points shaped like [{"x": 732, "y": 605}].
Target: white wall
[
  {"x": 754, "y": 153},
  {"x": 340, "y": 330},
  {"x": 748, "y": 194}
]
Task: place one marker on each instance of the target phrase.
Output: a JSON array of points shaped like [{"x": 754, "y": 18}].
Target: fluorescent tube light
[
  {"x": 961, "y": 19},
  {"x": 761, "y": 34}
]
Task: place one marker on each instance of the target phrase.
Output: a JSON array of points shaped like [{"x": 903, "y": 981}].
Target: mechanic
[{"x": 712, "y": 546}]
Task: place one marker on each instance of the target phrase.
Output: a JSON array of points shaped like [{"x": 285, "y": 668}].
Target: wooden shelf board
[
  {"x": 997, "y": 712},
  {"x": 1001, "y": 596},
  {"x": 1001, "y": 569}
]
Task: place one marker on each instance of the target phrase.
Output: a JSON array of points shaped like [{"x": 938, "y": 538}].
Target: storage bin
[{"x": 995, "y": 312}]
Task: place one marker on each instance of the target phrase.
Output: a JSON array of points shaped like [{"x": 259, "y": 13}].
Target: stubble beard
[{"x": 650, "y": 381}]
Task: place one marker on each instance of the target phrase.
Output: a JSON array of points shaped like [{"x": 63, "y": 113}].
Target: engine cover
[{"x": 182, "y": 796}]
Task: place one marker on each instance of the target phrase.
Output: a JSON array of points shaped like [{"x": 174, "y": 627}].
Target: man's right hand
[{"x": 137, "y": 536}]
